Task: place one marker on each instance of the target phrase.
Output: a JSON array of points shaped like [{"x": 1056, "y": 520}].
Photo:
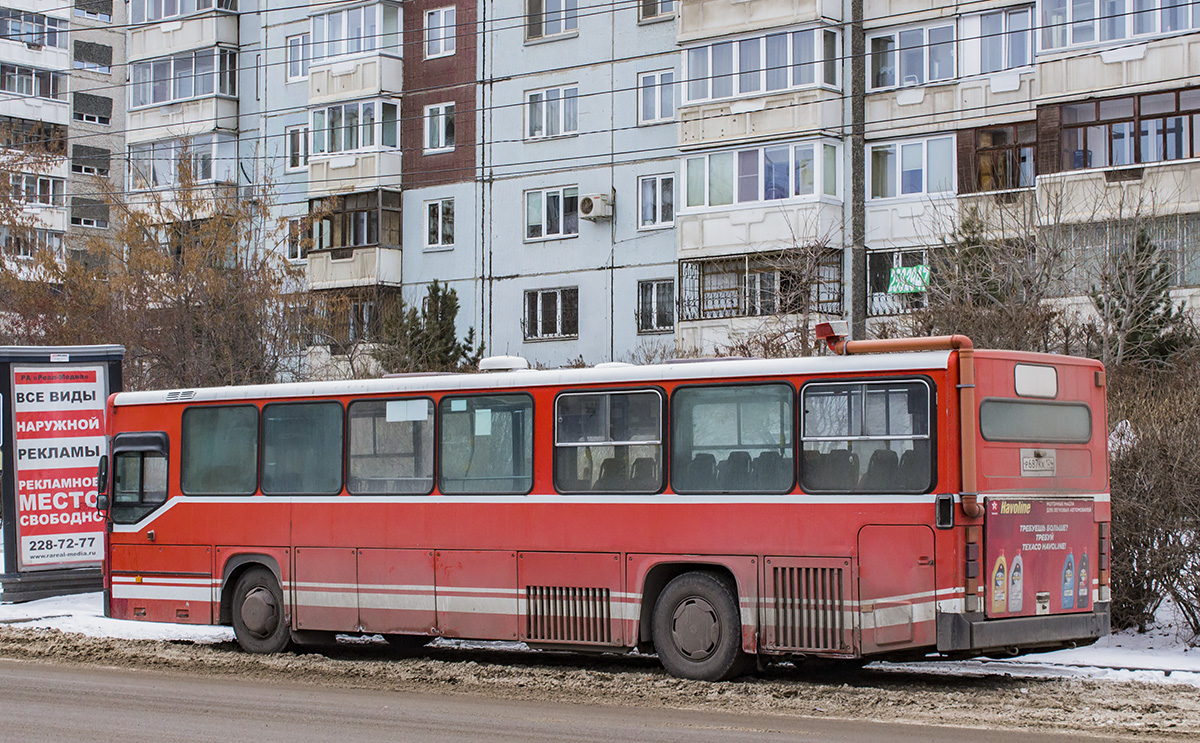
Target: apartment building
[{"x": 35, "y": 112}]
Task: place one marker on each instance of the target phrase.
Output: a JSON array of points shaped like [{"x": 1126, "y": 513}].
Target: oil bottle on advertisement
[
  {"x": 1016, "y": 587},
  {"x": 1068, "y": 582},
  {"x": 999, "y": 585},
  {"x": 1084, "y": 595}
]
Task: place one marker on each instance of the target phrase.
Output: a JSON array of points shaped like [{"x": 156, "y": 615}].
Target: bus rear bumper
[{"x": 973, "y": 633}]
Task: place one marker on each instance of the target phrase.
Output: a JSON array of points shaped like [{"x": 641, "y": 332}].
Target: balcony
[
  {"x": 757, "y": 227},
  {"x": 1124, "y": 67},
  {"x": 181, "y": 119},
  {"x": 361, "y": 76},
  {"x": 700, "y": 19},
  {"x": 341, "y": 268},
  {"x": 1149, "y": 190},
  {"x": 353, "y": 171},
  {"x": 762, "y": 117},
  {"x": 163, "y": 38},
  {"x": 997, "y": 98}
]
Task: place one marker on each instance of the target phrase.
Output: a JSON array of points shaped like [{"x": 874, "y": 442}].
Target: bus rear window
[{"x": 1035, "y": 422}]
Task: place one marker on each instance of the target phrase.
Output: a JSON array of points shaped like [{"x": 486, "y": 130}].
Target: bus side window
[
  {"x": 302, "y": 448},
  {"x": 732, "y": 439},
  {"x": 391, "y": 447},
  {"x": 868, "y": 437},
  {"x": 485, "y": 444},
  {"x": 139, "y": 475},
  {"x": 219, "y": 450},
  {"x": 608, "y": 442}
]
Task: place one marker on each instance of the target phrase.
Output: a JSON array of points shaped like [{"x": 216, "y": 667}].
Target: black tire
[
  {"x": 697, "y": 628},
  {"x": 259, "y": 616}
]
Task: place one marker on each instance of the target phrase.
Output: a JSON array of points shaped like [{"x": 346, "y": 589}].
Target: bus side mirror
[{"x": 102, "y": 485}]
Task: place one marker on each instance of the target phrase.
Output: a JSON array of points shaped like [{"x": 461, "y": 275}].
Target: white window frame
[
  {"x": 826, "y": 169},
  {"x": 30, "y": 82},
  {"x": 538, "y": 111},
  {"x": 99, "y": 224},
  {"x": 36, "y": 190},
  {"x": 299, "y": 56},
  {"x": 655, "y": 10},
  {"x": 653, "y": 326},
  {"x": 899, "y": 66},
  {"x": 1003, "y": 40},
  {"x": 435, "y": 212},
  {"x": 661, "y": 88},
  {"x": 544, "y": 198},
  {"x": 297, "y": 252},
  {"x": 296, "y": 143},
  {"x": 34, "y": 29},
  {"x": 659, "y": 184},
  {"x": 563, "y": 14},
  {"x": 535, "y": 333},
  {"x": 1104, "y": 22},
  {"x": 220, "y": 78},
  {"x": 439, "y": 128},
  {"x": 96, "y": 67},
  {"x": 93, "y": 119},
  {"x": 379, "y": 134},
  {"x": 441, "y": 32},
  {"x": 898, "y": 189},
  {"x": 105, "y": 17},
  {"x": 700, "y": 83},
  {"x": 42, "y": 239}
]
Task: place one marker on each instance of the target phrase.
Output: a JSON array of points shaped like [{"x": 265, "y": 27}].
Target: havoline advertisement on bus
[
  {"x": 1039, "y": 556},
  {"x": 58, "y": 437}
]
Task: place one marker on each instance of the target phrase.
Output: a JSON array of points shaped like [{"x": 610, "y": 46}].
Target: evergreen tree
[{"x": 426, "y": 340}]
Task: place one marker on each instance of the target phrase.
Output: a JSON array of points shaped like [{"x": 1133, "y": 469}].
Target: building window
[
  {"x": 1005, "y": 157},
  {"x": 1005, "y": 40},
  {"x": 653, "y": 10},
  {"x": 440, "y": 222},
  {"x": 656, "y": 97},
  {"x": 298, "y": 51},
  {"x": 656, "y": 197},
  {"x": 792, "y": 281},
  {"x": 297, "y": 147},
  {"x": 183, "y": 76},
  {"x": 162, "y": 164},
  {"x": 656, "y": 305},
  {"x": 763, "y": 64},
  {"x": 440, "y": 32},
  {"x": 896, "y": 281},
  {"x": 356, "y": 30},
  {"x": 355, "y": 227},
  {"x": 40, "y": 190},
  {"x": 552, "y": 112},
  {"x": 34, "y": 29},
  {"x": 33, "y": 83},
  {"x": 352, "y": 126},
  {"x": 89, "y": 213},
  {"x": 94, "y": 15},
  {"x": 439, "y": 127},
  {"x": 550, "y": 17},
  {"x": 142, "y": 11},
  {"x": 1080, "y": 22},
  {"x": 1124, "y": 131},
  {"x": 912, "y": 168},
  {"x": 88, "y": 160},
  {"x": 92, "y": 118},
  {"x": 297, "y": 241},
  {"x": 551, "y": 213},
  {"x": 782, "y": 171},
  {"x": 552, "y": 313},
  {"x": 28, "y": 244},
  {"x": 912, "y": 56}
]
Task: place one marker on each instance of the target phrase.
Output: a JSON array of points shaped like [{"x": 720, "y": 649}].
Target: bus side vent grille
[
  {"x": 560, "y": 614},
  {"x": 810, "y": 607},
  {"x": 176, "y": 395}
]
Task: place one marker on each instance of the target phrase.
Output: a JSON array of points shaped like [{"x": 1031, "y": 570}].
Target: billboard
[{"x": 58, "y": 437}]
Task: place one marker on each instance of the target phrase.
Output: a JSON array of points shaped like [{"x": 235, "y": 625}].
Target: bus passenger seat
[
  {"x": 734, "y": 472},
  {"x": 704, "y": 472},
  {"x": 770, "y": 471},
  {"x": 914, "y": 467},
  {"x": 883, "y": 472},
  {"x": 814, "y": 475},
  {"x": 841, "y": 470},
  {"x": 612, "y": 476},
  {"x": 644, "y": 475}
]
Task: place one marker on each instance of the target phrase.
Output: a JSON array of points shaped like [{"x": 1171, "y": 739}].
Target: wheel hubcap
[
  {"x": 695, "y": 628},
  {"x": 259, "y": 612}
]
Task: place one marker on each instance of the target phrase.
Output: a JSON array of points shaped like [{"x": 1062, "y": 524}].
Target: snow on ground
[{"x": 1163, "y": 653}]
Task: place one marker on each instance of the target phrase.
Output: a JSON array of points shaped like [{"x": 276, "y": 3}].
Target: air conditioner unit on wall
[{"x": 595, "y": 206}]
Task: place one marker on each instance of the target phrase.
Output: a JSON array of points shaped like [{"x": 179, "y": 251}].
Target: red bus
[{"x": 865, "y": 504}]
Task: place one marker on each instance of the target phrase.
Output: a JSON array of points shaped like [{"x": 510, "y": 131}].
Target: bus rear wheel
[
  {"x": 697, "y": 628},
  {"x": 259, "y": 621}
]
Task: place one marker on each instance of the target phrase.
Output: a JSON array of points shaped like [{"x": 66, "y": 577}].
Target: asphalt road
[{"x": 88, "y": 704}]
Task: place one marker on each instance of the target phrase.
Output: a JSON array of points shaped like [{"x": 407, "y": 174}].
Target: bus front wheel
[
  {"x": 697, "y": 628},
  {"x": 259, "y": 621}
]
